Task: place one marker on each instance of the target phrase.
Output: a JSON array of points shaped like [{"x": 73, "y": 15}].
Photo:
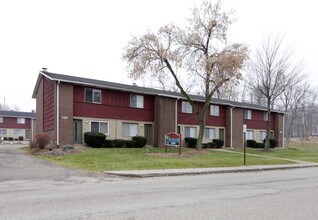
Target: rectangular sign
[{"x": 172, "y": 139}]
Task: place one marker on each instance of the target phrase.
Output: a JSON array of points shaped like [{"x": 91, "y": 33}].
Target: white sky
[{"x": 87, "y": 38}]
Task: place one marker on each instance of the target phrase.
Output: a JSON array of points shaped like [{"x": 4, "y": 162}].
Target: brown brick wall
[
  {"x": 66, "y": 114},
  {"x": 164, "y": 119},
  {"x": 237, "y": 128},
  {"x": 39, "y": 109},
  {"x": 278, "y": 131}
]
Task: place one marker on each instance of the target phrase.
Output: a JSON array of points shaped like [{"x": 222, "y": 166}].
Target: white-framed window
[
  {"x": 191, "y": 132},
  {"x": 21, "y": 120},
  {"x": 186, "y": 107},
  {"x": 249, "y": 135},
  {"x": 214, "y": 110},
  {"x": 209, "y": 133},
  {"x": 100, "y": 126},
  {"x": 1, "y": 119},
  {"x": 247, "y": 114},
  {"x": 136, "y": 101},
  {"x": 93, "y": 95},
  {"x": 262, "y": 136},
  {"x": 130, "y": 129},
  {"x": 17, "y": 132},
  {"x": 265, "y": 116},
  {"x": 3, "y": 131}
]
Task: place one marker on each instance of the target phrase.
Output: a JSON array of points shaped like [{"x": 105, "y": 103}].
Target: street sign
[{"x": 173, "y": 139}]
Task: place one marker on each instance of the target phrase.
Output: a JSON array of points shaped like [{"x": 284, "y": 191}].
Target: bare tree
[
  {"x": 199, "y": 50},
  {"x": 293, "y": 98},
  {"x": 270, "y": 70}
]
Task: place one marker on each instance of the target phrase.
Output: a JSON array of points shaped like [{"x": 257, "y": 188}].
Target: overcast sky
[{"x": 87, "y": 38}]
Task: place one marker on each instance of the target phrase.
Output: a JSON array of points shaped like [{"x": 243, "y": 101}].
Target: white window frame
[
  {"x": 17, "y": 132},
  {"x": 248, "y": 114},
  {"x": 20, "y": 120},
  {"x": 215, "y": 110},
  {"x": 209, "y": 133},
  {"x": 136, "y": 101},
  {"x": 3, "y": 131},
  {"x": 186, "y": 107},
  {"x": 249, "y": 135},
  {"x": 191, "y": 133},
  {"x": 1, "y": 119},
  {"x": 99, "y": 126},
  {"x": 94, "y": 92},
  {"x": 261, "y": 137},
  {"x": 130, "y": 132}
]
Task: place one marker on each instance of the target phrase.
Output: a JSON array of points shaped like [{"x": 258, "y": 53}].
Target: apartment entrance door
[
  {"x": 149, "y": 134},
  {"x": 77, "y": 131}
]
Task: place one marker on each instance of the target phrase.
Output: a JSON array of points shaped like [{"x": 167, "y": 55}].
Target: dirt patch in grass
[
  {"x": 187, "y": 154},
  {"x": 56, "y": 151}
]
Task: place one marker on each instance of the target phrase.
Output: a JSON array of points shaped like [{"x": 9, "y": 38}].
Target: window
[
  {"x": 265, "y": 116},
  {"x": 214, "y": 110},
  {"x": 186, "y": 107},
  {"x": 1, "y": 119},
  {"x": 136, "y": 101},
  {"x": 3, "y": 131},
  {"x": 249, "y": 135},
  {"x": 130, "y": 129},
  {"x": 191, "y": 132},
  {"x": 21, "y": 120},
  {"x": 17, "y": 132},
  {"x": 262, "y": 136},
  {"x": 93, "y": 95},
  {"x": 247, "y": 114},
  {"x": 99, "y": 126},
  {"x": 209, "y": 133}
]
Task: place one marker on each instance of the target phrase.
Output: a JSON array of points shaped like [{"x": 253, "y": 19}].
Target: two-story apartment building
[
  {"x": 68, "y": 106},
  {"x": 15, "y": 124}
]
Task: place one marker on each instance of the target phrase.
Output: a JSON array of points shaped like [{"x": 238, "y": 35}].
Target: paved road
[{"x": 51, "y": 192}]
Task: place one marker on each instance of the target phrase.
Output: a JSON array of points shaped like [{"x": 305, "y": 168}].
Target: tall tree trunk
[
  {"x": 201, "y": 133},
  {"x": 268, "y": 128}
]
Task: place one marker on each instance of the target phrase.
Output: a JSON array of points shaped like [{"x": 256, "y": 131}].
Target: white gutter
[
  {"x": 176, "y": 116},
  {"x": 58, "y": 114},
  {"x": 231, "y": 127},
  {"x": 283, "y": 131}
]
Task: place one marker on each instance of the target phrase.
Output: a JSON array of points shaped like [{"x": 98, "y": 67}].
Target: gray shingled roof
[
  {"x": 17, "y": 114},
  {"x": 138, "y": 89}
]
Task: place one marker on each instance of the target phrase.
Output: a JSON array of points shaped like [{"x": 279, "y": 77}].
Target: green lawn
[
  {"x": 110, "y": 159},
  {"x": 307, "y": 152}
]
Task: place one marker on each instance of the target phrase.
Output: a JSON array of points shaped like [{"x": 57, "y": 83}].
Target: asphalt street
[{"x": 33, "y": 189}]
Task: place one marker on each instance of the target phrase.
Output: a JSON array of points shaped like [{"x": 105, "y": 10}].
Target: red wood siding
[
  {"x": 115, "y": 105},
  {"x": 48, "y": 104},
  {"x": 257, "y": 121},
  {"x": 192, "y": 119},
  {"x": 11, "y": 122}
]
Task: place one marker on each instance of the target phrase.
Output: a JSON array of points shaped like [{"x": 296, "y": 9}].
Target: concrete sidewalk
[{"x": 197, "y": 171}]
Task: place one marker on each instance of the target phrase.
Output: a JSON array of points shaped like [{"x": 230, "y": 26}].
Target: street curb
[{"x": 185, "y": 172}]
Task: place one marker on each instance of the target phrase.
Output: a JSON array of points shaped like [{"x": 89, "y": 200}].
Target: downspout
[
  {"x": 176, "y": 116},
  {"x": 284, "y": 131},
  {"x": 58, "y": 114},
  {"x": 231, "y": 138}
]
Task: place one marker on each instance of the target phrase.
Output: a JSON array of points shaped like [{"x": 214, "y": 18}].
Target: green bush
[
  {"x": 20, "y": 138},
  {"x": 140, "y": 141},
  {"x": 108, "y": 144},
  {"x": 218, "y": 143},
  {"x": 191, "y": 142},
  {"x": 119, "y": 143},
  {"x": 94, "y": 139},
  {"x": 209, "y": 145},
  {"x": 259, "y": 145},
  {"x": 251, "y": 143},
  {"x": 10, "y": 138},
  {"x": 131, "y": 144},
  {"x": 5, "y": 138},
  {"x": 272, "y": 143}
]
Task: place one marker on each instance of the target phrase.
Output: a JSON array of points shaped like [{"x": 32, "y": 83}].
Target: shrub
[
  {"x": 5, "y": 138},
  {"x": 94, "y": 139},
  {"x": 20, "y": 138},
  {"x": 218, "y": 143},
  {"x": 272, "y": 142},
  {"x": 68, "y": 148},
  {"x": 191, "y": 142},
  {"x": 140, "y": 141},
  {"x": 118, "y": 143},
  {"x": 108, "y": 144},
  {"x": 41, "y": 140},
  {"x": 131, "y": 143},
  {"x": 10, "y": 138},
  {"x": 259, "y": 145},
  {"x": 251, "y": 143},
  {"x": 210, "y": 145}
]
